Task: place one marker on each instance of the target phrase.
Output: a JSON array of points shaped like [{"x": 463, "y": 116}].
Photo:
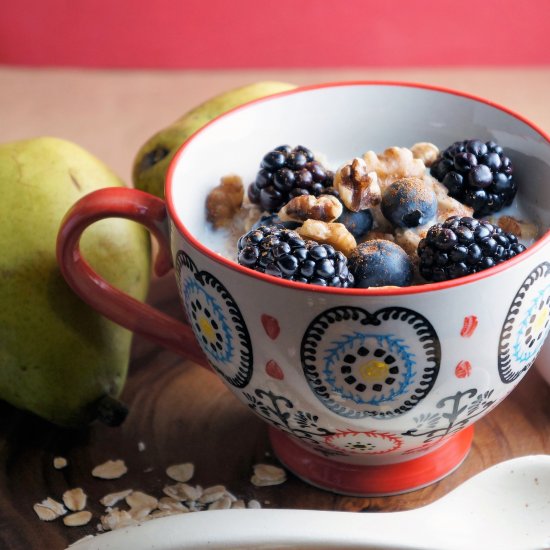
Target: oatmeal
[{"x": 434, "y": 214}]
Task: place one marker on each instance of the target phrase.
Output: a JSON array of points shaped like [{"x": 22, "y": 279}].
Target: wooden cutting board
[{"x": 180, "y": 412}]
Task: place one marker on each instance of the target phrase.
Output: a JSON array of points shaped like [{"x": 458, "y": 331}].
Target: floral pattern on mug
[
  {"x": 217, "y": 322},
  {"x": 362, "y": 364},
  {"x": 526, "y": 325}
]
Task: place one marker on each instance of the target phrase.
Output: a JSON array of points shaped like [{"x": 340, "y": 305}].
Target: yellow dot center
[
  {"x": 374, "y": 370},
  {"x": 206, "y": 328},
  {"x": 540, "y": 319}
]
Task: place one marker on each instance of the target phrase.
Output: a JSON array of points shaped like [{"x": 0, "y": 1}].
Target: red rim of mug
[{"x": 373, "y": 291}]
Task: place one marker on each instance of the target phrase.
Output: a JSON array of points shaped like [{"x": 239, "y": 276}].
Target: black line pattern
[
  {"x": 361, "y": 364},
  {"x": 217, "y": 322},
  {"x": 458, "y": 411},
  {"x": 526, "y": 325}
]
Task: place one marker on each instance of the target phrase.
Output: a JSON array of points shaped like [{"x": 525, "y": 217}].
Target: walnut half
[
  {"x": 335, "y": 234},
  {"x": 326, "y": 208},
  {"x": 358, "y": 187},
  {"x": 224, "y": 201}
]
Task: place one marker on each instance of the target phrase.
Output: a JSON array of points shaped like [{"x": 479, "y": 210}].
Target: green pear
[
  {"x": 153, "y": 158},
  {"x": 59, "y": 358}
]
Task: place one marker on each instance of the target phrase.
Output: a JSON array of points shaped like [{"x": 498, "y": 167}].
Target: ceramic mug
[{"x": 366, "y": 391}]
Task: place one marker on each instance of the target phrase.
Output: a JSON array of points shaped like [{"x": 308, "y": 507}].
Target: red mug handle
[{"x": 114, "y": 304}]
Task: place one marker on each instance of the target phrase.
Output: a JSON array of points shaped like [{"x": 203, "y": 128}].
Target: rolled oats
[
  {"x": 78, "y": 519},
  {"x": 211, "y": 494},
  {"x": 138, "y": 500},
  {"x": 113, "y": 498},
  {"x": 223, "y": 503},
  {"x": 183, "y": 491},
  {"x": 59, "y": 462},
  {"x": 267, "y": 474},
  {"x": 112, "y": 469},
  {"x": 426, "y": 152},
  {"x": 49, "y": 509},
  {"x": 394, "y": 163},
  {"x": 116, "y": 519},
  {"x": 181, "y": 472},
  {"x": 75, "y": 499},
  {"x": 169, "y": 504}
]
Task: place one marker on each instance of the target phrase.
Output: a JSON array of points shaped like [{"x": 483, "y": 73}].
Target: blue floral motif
[
  {"x": 388, "y": 342},
  {"x": 199, "y": 302},
  {"x": 217, "y": 322},
  {"x": 379, "y": 364},
  {"x": 526, "y": 325}
]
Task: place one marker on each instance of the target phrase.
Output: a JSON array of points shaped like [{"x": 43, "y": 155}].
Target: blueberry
[
  {"x": 408, "y": 202},
  {"x": 357, "y": 223},
  {"x": 380, "y": 263}
]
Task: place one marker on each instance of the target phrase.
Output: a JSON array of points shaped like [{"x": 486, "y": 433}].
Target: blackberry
[
  {"x": 285, "y": 173},
  {"x": 283, "y": 253},
  {"x": 477, "y": 174},
  {"x": 461, "y": 246}
]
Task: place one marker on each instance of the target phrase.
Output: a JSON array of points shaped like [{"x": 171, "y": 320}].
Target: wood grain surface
[
  {"x": 180, "y": 411},
  {"x": 183, "y": 413}
]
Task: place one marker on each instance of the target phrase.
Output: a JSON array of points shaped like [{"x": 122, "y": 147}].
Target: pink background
[{"x": 274, "y": 33}]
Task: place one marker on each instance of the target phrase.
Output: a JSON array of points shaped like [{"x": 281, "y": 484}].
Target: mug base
[{"x": 370, "y": 481}]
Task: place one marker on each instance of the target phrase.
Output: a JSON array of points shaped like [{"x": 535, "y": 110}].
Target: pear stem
[{"x": 111, "y": 411}]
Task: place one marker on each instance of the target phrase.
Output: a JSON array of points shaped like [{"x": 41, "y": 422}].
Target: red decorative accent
[
  {"x": 271, "y": 326},
  {"x": 120, "y": 202},
  {"x": 469, "y": 326},
  {"x": 272, "y": 369},
  {"x": 366, "y": 481},
  {"x": 389, "y": 441},
  {"x": 463, "y": 369}
]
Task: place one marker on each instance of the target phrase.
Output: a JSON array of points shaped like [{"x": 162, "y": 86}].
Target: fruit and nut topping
[
  {"x": 400, "y": 217},
  {"x": 357, "y": 187}
]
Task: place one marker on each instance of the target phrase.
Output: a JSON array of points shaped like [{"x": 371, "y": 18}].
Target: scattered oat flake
[
  {"x": 238, "y": 504},
  {"x": 161, "y": 514},
  {"x": 254, "y": 504},
  {"x": 45, "y": 513},
  {"x": 181, "y": 472},
  {"x": 141, "y": 446},
  {"x": 183, "y": 491},
  {"x": 112, "y": 469},
  {"x": 75, "y": 499},
  {"x": 211, "y": 494},
  {"x": 59, "y": 462},
  {"x": 267, "y": 474},
  {"x": 138, "y": 500},
  {"x": 223, "y": 503},
  {"x": 140, "y": 513},
  {"x": 49, "y": 509},
  {"x": 117, "y": 519},
  {"x": 169, "y": 504},
  {"x": 78, "y": 519},
  {"x": 112, "y": 498}
]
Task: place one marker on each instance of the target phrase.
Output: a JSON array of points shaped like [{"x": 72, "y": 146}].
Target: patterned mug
[{"x": 366, "y": 391}]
